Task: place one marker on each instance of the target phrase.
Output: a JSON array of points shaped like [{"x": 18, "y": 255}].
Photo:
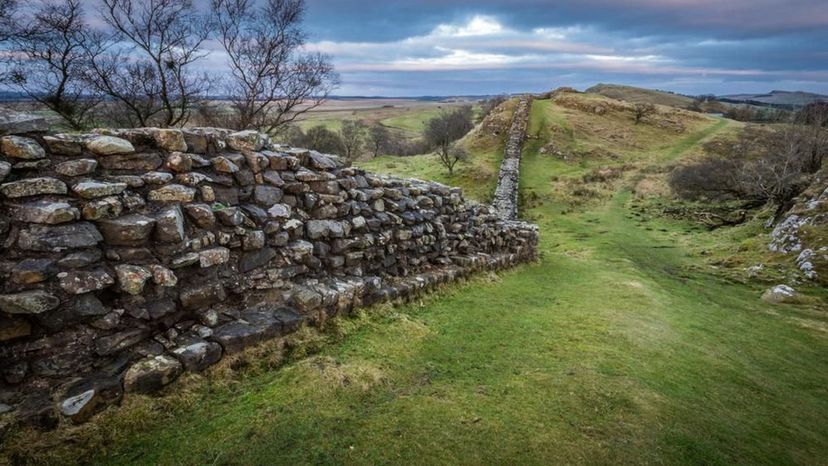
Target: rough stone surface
[
  {"x": 109, "y": 145},
  {"x": 179, "y": 252},
  {"x": 151, "y": 374},
  {"x": 33, "y": 187},
  {"x": 18, "y": 147},
  {"x": 506, "y": 195}
]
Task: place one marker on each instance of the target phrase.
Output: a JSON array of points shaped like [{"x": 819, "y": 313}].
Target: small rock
[
  {"x": 151, "y": 374},
  {"x": 109, "y": 145},
  {"x": 131, "y": 278},
  {"x": 138, "y": 162},
  {"x": 163, "y": 276},
  {"x": 214, "y": 256},
  {"x": 109, "y": 207},
  {"x": 169, "y": 225},
  {"x": 202, "y": 215},
  {"x": 179, "y": 162},
  {"x": 80, "y": 259},
  {"x": 157, "y": 178},
  {"x": 224, "y": 165},
  {"x": 93, "y": 189},
  {"x": 76, "y": 167},
  {"x": 13, "y": 327},
  {"x": 279, "y": 211},
  {"x": 197, "y": 355},
  {"x": 202, "y": 296},
  {"x": 781, "y": 294},
  {"x": 79, "y": 282},
  {"x": 64, "y": 144},
  {"x": 172, "y": 193},
  {"x": 246, "y": 140},
  {"x": 170, "y": 140},
  {"x": 18, "y": 147},
  {"x": 5, "y": 169}
]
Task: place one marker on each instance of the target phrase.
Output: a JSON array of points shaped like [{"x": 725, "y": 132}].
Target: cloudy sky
[{"x": 453, "y": 47}]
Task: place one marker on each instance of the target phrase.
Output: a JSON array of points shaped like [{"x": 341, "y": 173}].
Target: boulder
[
  {"x": 279, "y": 211},
  {"x": 33, "y": 187},
  {"x": 117, "y": 342},
  {"x": 267, "y": 195},
  {"x": 222, "y": 164},
  {"x": 18, "y": 147},
  {"x": 151, "y": 374},
  {"x": 109, "y": 145}
]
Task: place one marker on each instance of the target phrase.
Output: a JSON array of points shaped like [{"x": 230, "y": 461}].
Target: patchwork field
[{"x": 625, "y": 343}]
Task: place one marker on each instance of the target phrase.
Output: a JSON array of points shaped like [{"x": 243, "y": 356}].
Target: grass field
[{"x": 620, "y": 345}]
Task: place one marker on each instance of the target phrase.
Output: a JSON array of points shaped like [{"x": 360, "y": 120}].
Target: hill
[
  {"x": 641, "y": 95},
  {"x": 784, "y": 98}
]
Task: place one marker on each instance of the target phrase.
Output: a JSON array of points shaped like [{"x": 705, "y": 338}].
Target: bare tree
[
  {"x": 145, "y": 65},
  {"x": 642, "y": 111},
  {"x": 271, "y": 82},
  {"x": 442, "y": 131},
  {"x": 379, "y": 137},
  {"x": 8, "y": 28},
  {"x": 351, "y": 134},
  {"x": 51, "y": 62}
]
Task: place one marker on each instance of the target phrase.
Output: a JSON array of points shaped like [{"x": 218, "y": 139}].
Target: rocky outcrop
[
  {"x": 506, "y": 195},
  {"x": 131, "y": 256},
  {"x": 802, "y": 233}
]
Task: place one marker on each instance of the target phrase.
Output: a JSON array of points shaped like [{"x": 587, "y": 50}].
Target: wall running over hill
[
  {"x": 129, "y": 256},
  {"x": 506, "y": 196}
]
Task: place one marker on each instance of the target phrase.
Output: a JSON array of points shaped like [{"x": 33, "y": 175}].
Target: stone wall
[
  {"x": 506, "y": 196},
  {"x": 129, "y": 256}
]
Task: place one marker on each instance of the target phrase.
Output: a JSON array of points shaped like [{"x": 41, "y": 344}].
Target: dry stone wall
[
  {"x": 506, "y": 195},
  {"x": 130, "y": 256}
]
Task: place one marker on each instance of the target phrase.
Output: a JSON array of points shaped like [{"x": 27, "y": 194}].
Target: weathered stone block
[
  {"x": 131, "y": 278},
  {"x": 172, "y": 193},
  {"x": 93, "y": 189},
  {"x": 129, "y": 230},
  {"x": 18, "y": 147},
  {"x": 43, "y": 211},
  {"x": 79, "y": 282},
  {"x": 28, "y": 302},
  {"x": 33, "y": 187},
  {"x": 109, "y": 145},
  {"x": 201, "y": 214},
  {"x": 202, "y": 296},
  {"x": 76, "y": 167},
  {"x": 169, "y": 225},
  {"x": 151, "y": 374},
  {"x": 59, "y": 237},
  {"x": 132, "y": 162}
]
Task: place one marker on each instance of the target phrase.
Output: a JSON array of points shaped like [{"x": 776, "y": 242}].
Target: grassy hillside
[
  {"x": 623, "y": 344},
  {"x": 477, "y": 175},
  {"x": 641, "y": 95}
]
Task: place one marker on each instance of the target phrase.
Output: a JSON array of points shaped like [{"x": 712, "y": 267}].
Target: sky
[{"x": 455, "y": 47}]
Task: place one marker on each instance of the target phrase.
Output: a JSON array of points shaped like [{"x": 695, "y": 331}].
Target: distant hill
[
  {"x": 796, "y": 98},
  {"x": 640, "y": 95}
]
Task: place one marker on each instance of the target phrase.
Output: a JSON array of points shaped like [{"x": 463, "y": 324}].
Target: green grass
[{"x": 618, "y": 346}]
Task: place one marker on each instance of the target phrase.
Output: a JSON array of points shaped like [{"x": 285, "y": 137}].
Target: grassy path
[{"x": 613, "y": 348}]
